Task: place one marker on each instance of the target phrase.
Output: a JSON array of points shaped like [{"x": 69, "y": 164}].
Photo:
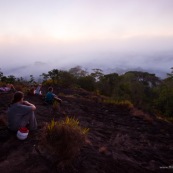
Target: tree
[
  {"x": 97, "y": 74},
  {"x": 78, "y": 72},
  {"x": 11, "y": 79},
  {"x": 164, "y": 101},
  {"x": 108, "y": 84},
  {"x": 45, "y": 76},
  {"x": 143, "y": 77},
  {"x": 53, "y": 75},
  {"x": 66, "y": 79},
  {"x": 4, "y": 79},
  {"x": 170, "y": 75},
  {"x": 138, "y": 87},
  {"x": 32, "y": 80},
  {"x": 87, "y": 83}
]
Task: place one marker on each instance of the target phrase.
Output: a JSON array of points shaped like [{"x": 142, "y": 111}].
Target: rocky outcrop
[{"x": 118, "y": 140}]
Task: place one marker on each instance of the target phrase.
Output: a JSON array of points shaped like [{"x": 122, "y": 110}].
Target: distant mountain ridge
[{"x": 38, "y": 68}]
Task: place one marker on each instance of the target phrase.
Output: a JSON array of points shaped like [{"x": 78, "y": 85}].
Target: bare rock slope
[{"x": 118, "y": 141}]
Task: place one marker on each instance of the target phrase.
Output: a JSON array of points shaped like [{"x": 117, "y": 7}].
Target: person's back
[
  {"x": 21, "y": 113},
  {"x": 50, "y": 96},
  {"x": 15, "y": 114}
]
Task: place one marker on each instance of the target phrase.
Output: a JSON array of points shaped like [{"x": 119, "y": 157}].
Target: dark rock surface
[{"x": 117, "y": 141}]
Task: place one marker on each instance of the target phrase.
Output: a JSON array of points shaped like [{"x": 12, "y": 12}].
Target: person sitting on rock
[
  {"x": 38, "y": 90},
  {"x": 51, "y": 97},
  {"x": 21, "y": 113}
]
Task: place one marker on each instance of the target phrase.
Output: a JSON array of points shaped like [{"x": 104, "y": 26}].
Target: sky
[{"x": 114, "y": 35}]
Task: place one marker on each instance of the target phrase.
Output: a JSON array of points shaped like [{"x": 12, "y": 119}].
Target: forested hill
[
  {"x": 121, "y": 138},
  {"x": 144, "y": 90}
]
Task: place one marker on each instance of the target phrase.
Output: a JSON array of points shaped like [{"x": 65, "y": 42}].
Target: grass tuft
[
  {"x": 121, "y": 103},
  {"x": 63, "y": 139}
]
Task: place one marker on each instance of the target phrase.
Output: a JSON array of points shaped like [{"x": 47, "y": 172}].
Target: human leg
[{"x": 31, "y": 119}]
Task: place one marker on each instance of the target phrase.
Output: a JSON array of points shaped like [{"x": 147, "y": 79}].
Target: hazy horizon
[{"x": 39, "y": 35}]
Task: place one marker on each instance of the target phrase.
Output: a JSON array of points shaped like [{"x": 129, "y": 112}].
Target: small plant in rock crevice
[{"x": 63, "y": 139}]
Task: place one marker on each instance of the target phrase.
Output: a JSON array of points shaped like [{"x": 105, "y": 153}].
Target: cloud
[{"x": 150, "y": 53}]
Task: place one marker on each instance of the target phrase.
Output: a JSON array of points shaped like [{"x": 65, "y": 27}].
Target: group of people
[{"x": 21, "y": 113}]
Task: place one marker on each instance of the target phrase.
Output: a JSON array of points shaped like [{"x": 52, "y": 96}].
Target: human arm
[
  {"x": 58, "y": 99},
  {"x": 29, "y": 104}
]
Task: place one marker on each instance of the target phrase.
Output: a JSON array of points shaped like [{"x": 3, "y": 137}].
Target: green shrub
[
  {"x": 48, "y": 82},
  {"x": 63, "y": 139}
]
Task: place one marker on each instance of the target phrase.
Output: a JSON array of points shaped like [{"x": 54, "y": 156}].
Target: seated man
[
  {"x": 38, "y": 90},
  {"x": 21, "y": 113},
  {"x": 51, "y": 97}
]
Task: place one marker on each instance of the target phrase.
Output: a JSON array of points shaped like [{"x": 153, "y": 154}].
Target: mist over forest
[{"x": 37, "y": 68}]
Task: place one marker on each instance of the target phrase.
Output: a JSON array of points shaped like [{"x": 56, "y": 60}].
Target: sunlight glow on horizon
[
  {"x": 70, "y": 36},
  {"x": 75, "y": 31},
  {"x": 78, "y": 21}
]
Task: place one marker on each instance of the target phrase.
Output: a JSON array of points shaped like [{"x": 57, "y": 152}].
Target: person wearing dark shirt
[{"x": 51, "y": 97}]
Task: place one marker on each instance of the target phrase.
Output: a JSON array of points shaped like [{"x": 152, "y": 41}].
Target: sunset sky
[{"x": 110, "y": 34}]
